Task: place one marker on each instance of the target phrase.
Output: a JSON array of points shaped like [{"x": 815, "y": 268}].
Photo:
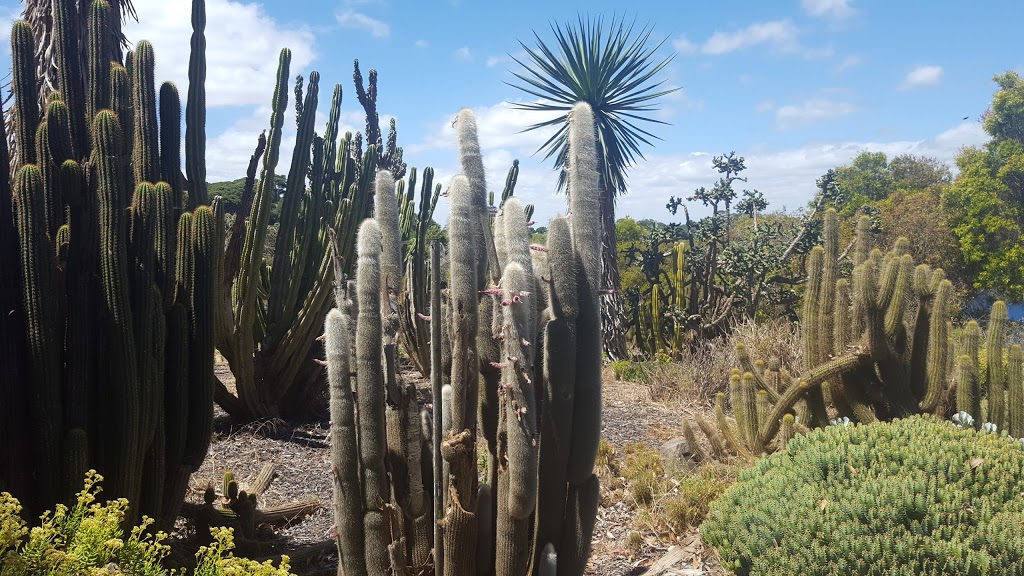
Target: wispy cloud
[
  {"x": 846, "y": 64},
  {"x": 683, "y": 45},
  {"x": 506, "y": 59},
  {"x": 812, "y": 111},
  {"x": 777, "y": 35},
  {"x": 835, "y": 9},
  {"x": 463, "y": 54},
  {"x": 421, "y": 44},
  {"x": 921, "y": 76},
  {"x": 351, "y": 19},
  {"x": 764, "y": 106}
]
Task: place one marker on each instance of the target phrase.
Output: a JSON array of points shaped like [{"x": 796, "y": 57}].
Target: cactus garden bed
[{"x": 300, "y": 458}]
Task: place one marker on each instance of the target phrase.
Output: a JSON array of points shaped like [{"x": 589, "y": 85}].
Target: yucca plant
[{"x": 615, "y": 71}]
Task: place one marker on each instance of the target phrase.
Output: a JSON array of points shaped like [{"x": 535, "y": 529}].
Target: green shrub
[
  {"x": 635, "y": 372},
  {"x": 87, "y": 538},
  {"x": 915, "y": 496}
]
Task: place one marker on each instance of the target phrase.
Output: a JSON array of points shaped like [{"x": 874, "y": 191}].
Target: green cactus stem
[{"x": 195, "y": 111}]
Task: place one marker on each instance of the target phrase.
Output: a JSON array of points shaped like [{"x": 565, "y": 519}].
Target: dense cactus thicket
[
  {"x": 106, "y": 333},
  {"x": 915, "y": 496},
  {"x": 270, "y": 309},
  {"x": 878, "y": 346},
  {"x": 522, "y": 364}
]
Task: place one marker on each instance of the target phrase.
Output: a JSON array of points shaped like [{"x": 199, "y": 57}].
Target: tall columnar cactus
[
  {"x": 414, "y": 303},
  {"x": 107, "y": 354},
  {"x": 518, "y": 371}
]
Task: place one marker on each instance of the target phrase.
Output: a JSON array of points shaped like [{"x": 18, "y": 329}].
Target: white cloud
[
  {"x": 786, "y": 176},
  {"x": 835, "y": 9},
  {"x": 351, "y": 19},
  {"x": 921, "y": 76},
  {"x": 684, "y": 45},
  {"x": 764, "y": 106},
  {"x": 847, "y": 63},
  {"x": 498, "y": 126},
  {"x": 241, "y": 66},
  {"x": 421, "y": 44},
  {"x": 463, "y": 53},
  {"x": 812, "y": 110},
  {"x": 963, "y": 134},
  {"x": 778, "y": 34}
]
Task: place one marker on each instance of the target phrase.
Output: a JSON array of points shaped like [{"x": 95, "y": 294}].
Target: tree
[
  {"x": 1005, "y": 120},
  {"x": 867, "y": 178},
  {"x": 986, "y": 226},
  {"x": 911, "y": 172},
  {"x": 614, "y": 71},
  {"x": 919, "y": 216},
  {"x": 986, "y": 202}
]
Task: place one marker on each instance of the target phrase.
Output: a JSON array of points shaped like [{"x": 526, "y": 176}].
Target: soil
[{"x": 301, "y": 459}]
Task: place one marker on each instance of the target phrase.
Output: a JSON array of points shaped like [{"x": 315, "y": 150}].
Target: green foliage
[
  {"x": 986, "y": 202},
  {"x": 633, "y": 371},
  {"x": 915, "y": 496},
  {"x": 1004, "y": 120},
  {"x": 871, "y": 177},
  {"x": 88, "y": 538},
  {"x": 986, "y": 220},
  {"x": 231, "y": 193}
]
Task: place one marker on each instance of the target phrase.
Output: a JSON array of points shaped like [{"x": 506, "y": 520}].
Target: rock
[{"x": 676, "y": 454}]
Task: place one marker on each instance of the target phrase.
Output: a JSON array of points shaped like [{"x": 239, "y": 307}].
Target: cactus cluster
[
  {"x": 106, "y": 331},
  {"x": 914, "y": 496},
  {"x": 520, "y": 329},
  {"x": 994, "y": 394},
  {"x": 269, "y": 310},
  {"x": 878, "y": 346},
  {"x": 652, "y": 336}
]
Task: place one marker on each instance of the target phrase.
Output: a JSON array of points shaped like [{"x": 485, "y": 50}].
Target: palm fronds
[{"x": 614, "y": 71}]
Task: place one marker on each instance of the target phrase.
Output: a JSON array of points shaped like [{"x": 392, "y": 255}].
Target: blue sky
[{"x": 795, "y": 86}]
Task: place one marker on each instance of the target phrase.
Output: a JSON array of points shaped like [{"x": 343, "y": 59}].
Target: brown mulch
[{"x": 301, "y": 458}]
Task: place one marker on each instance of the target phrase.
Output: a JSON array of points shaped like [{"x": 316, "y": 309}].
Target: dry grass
[
  {"x": 666, "y": 505},
  {"x": 704, "y": 372}
]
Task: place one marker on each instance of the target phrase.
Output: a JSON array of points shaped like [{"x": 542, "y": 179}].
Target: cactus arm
[
  {"x": 195, "y": 110},
  {"x": 995, "y": 370},
  {"x": 114, "y": 275},
  {"x": 1015, "y": 392},
  {"x": 348, "y": 502},
  {"x": 146, "y": 140},
  {"x": 38, "y": 285},
  {"x": 935, "y": 371},
  {"x": 23, "y": 86},
  {"x": 252, "y": 250},
  {"x": 282, "y": 271},
  {"x": 170, "y": 143},
  {"x": 585, "y": 219},
  {"x": 100, "y": 54},
  {"x": 201, "y": 385},
  {"x": 67, "y": 58}
]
